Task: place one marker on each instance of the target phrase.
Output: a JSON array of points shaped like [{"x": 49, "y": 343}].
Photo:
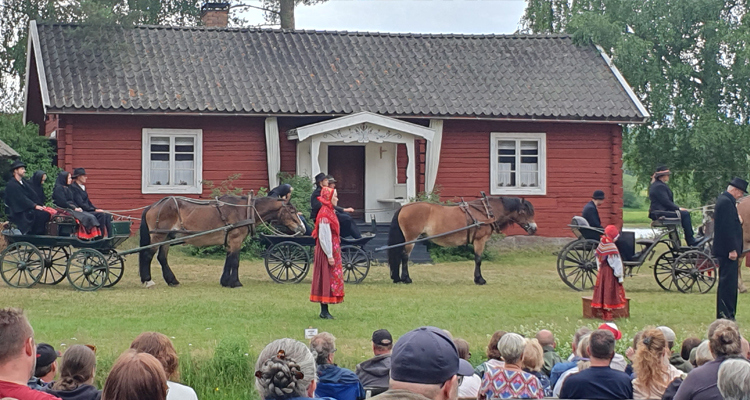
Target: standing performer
[
  {"x": 328, "y": 278},
  {"x": 728, "y": 246},
  {"x": 608, "y": 292}
]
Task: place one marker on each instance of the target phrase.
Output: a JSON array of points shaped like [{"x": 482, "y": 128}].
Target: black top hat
[
  {"x": 739, "y": 184},
  {"x": 598, "y": 195},
  {"x": 319, "y": 177},
  {"x": 17, "y": 164},
  {"x": 78, "y": 172},
  {"x": 661, "y": 170}
]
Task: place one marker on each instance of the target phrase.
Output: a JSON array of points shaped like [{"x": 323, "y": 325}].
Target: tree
[
  {"x": 688, "y": 62},
  {"x": 277, "y": 12}
]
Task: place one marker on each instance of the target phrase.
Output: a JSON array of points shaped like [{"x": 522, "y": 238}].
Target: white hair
[
  {"x": 277, "y": 380},
  {"x": 511, "y": 347},
  {"x": 734, "y": 379}
]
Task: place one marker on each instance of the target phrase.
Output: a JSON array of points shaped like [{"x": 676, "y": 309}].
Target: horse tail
[
  {"x": 144, "y": 231},
  {"x": 145, "y": 256},
  {"x": 395, "y": 236}
]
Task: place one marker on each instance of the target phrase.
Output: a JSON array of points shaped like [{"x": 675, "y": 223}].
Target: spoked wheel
[
  {"x": 663, "y": 270},
  {"x": 21, "y": 265},
  {"x": 116, "y": 265},
  {"x": 356, "y": 264},
  {"x": 694, "y": 271},
  {"x": 576, "y": 264},
  {"x": 287, "y": 262},
  {"x": 55, "y": 264},
  {"x": 87, "y": 270}
]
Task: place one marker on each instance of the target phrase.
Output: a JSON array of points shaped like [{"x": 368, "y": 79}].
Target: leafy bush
[
  {"x": 303, "y": 188},
  {"x": 430, "y": 197},
  {"x": 631, "y": 196},
  {"x": 440, "y": 254},
  {"x": 225, "y": 187}
]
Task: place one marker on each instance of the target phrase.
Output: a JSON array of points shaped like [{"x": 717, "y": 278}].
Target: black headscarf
[
  {"x": 36, "y": 185},
  {"x": 61, "y": 195},
  {"x": 280, "y": 191}
]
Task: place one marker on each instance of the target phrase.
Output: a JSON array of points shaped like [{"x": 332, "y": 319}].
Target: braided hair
[
  {"x": 284, "y": 370},
  {"x": 77, "y": 368}
]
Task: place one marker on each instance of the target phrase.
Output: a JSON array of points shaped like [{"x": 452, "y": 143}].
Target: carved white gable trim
[
  {"x": 363, "y": 133},
  {"x": 363, "y": 127}
]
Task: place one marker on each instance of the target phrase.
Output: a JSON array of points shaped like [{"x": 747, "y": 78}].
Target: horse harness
[{"x": 470, "y": 220}]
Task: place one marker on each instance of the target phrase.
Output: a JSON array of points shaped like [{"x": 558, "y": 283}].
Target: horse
[
  {"x": 174, "y": 217},
  {"x": 493, "y": 214}
]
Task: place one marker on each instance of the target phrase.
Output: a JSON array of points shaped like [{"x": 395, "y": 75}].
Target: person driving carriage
[
  {"x": 663, "y": 206},
  {"x": 24, "y": 209}
]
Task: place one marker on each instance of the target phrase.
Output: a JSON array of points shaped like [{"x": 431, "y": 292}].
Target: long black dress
[
  {"x": 62, "y": 196},
  {"x": 21, "y": 201},
  {"x": 81, "y": 199}
]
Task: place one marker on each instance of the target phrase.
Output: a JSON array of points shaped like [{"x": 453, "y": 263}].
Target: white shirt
[
  {"x": 470, "y": 386},
  {"x": 180, "y": 392},
  {"x": 559, "y": 384},
  {"x": 325, "y": 238}
]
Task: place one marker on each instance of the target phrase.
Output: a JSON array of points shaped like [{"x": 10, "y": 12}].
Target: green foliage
[
  {"x": 631, "y": 196},
  {"x": 303, "y": 188},
  {"x": 225, "y": 187},
  {"x": 430, "y": 197},
  {"x": 228, "y": 374}
]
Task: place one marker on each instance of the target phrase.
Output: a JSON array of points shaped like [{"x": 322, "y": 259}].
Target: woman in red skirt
[
  {"x": 328, "y": 279},
  {"x": 608, "y": 292}
]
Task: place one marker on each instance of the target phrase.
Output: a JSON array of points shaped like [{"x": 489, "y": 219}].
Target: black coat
[
  {"x": 21, "y": 201},
  {"x": 62, "y": 195},
  {"x": 36, "y": 185},
  {"x": 591, "y": 214},
  {"x": 81, "y": 198},
  {"x": 315, "y": 205},
  {"x": 661, "y": 199},
  {"x": 727, "y": 226}
]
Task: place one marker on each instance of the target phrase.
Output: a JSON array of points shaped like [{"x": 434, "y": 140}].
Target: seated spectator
[
  {"x": 17, "y": 357},
  {"x": 618, "y": 361},
  {"x": 630, "y": 351},
  {"x": 510, "y": 381},
  {"x": 494, "y": 359},
  {"x": 675, "y": 358},
  {"x": 734, "y": 380},
  {"x": 376, "y": 371},
  {"x": 599, "y": 381},
  {"x": 136, "y": 376},
  {"x": 547, "y": 341},
  {"x": 159, "y": 346},
  {"x": 687, "y": 346},
  {"x": 415, "y": 374},
  {"x": 580, "y": 365},
  {"x": 560, "y": 368},
  {"x": 724, "y": 342},
  {"x": 745, "y": 349},
  {"x": 77, "y": 370},
  {"x": 469, "y": 387},
  {"x": 533, "y": 361},
  {"x": 285, "y": 370},
  {"x": 651, "y": 365},
  {"x": 333, "y": 381},
  {"x": 46, "y": 366},
  {"x": 702, "y": 354}
]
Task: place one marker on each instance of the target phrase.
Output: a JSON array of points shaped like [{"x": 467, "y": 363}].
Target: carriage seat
[
  {"x": 582, "y": 229},
  {"x": 666, "y": 222}
]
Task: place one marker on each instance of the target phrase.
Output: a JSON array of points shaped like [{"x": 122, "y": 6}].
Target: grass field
[
  {"x": 219, "y": 331},
  {"x": 635, "y": 217}
]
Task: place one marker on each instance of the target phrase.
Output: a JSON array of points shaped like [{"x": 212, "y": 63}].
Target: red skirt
[
  {"x": 609, "y": 293},
  {"x": 328, "y": 281}
]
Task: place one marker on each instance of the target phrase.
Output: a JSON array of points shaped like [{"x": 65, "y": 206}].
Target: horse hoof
[
  {"x": 236, "y": 285},
  {"x": 406, "y": 281},
  {"x": 480, "y": 281},
  {"x": 149, "y": 284},
  {"x": 397, "y": 281}
]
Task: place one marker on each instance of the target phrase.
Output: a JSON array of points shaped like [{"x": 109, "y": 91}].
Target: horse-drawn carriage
[{"x": 687, "y": 268}]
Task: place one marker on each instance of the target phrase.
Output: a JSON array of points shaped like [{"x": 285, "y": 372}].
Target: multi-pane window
[
  {"x": 171, "y": 161},
  {"x": 518, "y": 163}
]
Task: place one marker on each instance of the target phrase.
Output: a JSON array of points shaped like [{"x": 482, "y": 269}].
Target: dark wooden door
[{"x": 347, "y": 165}]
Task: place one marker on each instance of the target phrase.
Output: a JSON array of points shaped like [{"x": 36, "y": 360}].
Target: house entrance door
[{"x": 347, "y": 165}]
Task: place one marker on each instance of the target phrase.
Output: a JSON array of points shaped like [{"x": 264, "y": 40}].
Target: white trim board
[
  {"x": 145, "y": 162},
  {"x": 307, "y": 131}
]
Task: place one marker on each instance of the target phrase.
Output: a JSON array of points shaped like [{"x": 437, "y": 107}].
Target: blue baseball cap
[{"x": 427, "y": 355}]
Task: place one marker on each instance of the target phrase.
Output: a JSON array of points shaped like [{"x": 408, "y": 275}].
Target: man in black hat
[
  {"x": 663, "y": 206},
  {"x": 81, "y": 199},
  {"x": 46, "y": 366},
  {"x": 347, "y": 225},
  {"x": 727, "y": 247},
  {"x": 591, "y": 210},
  {"x": 23, "y": 209},
  {"x": 375, "y": 372}
]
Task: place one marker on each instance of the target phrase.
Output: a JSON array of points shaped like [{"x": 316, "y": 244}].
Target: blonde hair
[
  {"x": 649, "y": 365},
  {"x": 583, "y": 352},
  {"x": 136, "y": 376},
  {"x": 158, "y": 345},
  {"x": 533, "y": 355}
]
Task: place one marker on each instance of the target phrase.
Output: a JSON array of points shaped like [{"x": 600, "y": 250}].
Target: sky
[{"x": 415, "y": 16}]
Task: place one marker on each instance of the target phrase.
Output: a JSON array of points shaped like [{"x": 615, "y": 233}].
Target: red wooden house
[{"x": 155, "y": 111}]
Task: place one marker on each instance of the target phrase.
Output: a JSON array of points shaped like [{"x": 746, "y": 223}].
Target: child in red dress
[{"x": 608, "y": 292}]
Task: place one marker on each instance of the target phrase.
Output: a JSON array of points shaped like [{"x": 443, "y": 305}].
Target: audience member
[
  {"x": 618, "y": 361},
  {"x": 533, "y": 361},
  {"x": 469, "y": 387},
  {"x": 599, "y": 381},
  {"x": 333, "y": 381},
  {"x": 425, "y": 365},
  {"x": 77, "y": 370},
  {"x": 630, "y": 351},
  {"x": 510, "y": 381},
  {"x": 734, "y": 380},
  {"x": 675, "y": 358},
  {"x": 547, "y": 341},
  {"x": 17, "y": 357},
  {"x": 745, "y": 349},
  {"x": 560, "y": 368},
  {"x": 136, "y": 376},
  {"x": 687, "y": 346},
  {"x": 46, "y": 367},
  {"x": 652, "y": 366},
  {"x": 582, "y": 363},
  {"x": 159, "y": 346},
  {"x": 285, "y": 370},
  {"x": 724, "y": 342},
  {"x": 494, "y": 359},
  {"x": 703, "y": 354},
  {"x": 375, "y": 372}
]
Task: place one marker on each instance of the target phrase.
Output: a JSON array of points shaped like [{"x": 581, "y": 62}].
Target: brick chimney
[{"x": 215, "y": 15}]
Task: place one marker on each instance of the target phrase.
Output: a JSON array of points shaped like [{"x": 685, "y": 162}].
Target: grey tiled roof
[
  {"x": 6, "y": 151},
  {"x": 252, "y": 71}
]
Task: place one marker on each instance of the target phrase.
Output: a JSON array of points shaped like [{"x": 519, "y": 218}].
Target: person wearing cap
[
  {"x": 24, "y": 208},
  {"x": 618, "y": 360},
  {"x": 727, "y": 247},
  {"x": 675, "y": 358},
  {"x": 81, "y": 199},
  {"x": 46, "y": 367},
  {"x": 663, "y": 206},
  {"x": 510, "y": 381},
  {"x": 375, "y": 372},
  {"x": 333, "y": 381},
  {"x": 425, "y": 365},
  {"x": 591, "y": 209}
]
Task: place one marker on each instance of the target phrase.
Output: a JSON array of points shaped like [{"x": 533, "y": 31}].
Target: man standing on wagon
[{"x": 727, "y": 247}]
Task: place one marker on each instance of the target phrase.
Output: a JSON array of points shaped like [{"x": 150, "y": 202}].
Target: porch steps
[{"x": 419, "y": 255}]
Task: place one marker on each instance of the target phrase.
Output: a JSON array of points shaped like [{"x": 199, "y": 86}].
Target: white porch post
[
  {"x": 273, "y": 152},
  {"x": 411, "y": 183},
  {"x": 314, "y": 155},
  {"x": 432, "y": 161}
]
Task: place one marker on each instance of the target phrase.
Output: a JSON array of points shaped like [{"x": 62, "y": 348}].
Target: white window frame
[
  {"x": 197, "y": 135},
  {"x": 541, "y": 138}
]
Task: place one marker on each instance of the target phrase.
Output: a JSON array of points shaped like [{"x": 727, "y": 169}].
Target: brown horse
[
  {"x": 429, "y": 219},
  {"x": 173, "y": 217}
]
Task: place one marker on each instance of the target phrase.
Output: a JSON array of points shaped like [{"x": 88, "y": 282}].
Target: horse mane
[{"x": 515, "y": 204}]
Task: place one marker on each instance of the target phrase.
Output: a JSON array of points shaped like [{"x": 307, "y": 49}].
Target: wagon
[{"x": 687, "y": 268}]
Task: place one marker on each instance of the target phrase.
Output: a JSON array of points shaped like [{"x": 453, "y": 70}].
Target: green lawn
[
  {"x": 635, "y": 217},
  {"x": 219, "y": 331}
]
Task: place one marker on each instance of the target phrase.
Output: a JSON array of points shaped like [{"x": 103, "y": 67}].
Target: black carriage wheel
[
  {"x": 87, "y": 270},
  {"x": 21, "y": 265},
  {"x": 355, "y": 263},
  {"x": 287, "y": 262},
  {"x": 663, "y": 270},
  {"x": 694, "y": 271},
  {"x": 55, "y": 264},
  {"x": 116, "y": 265},
  {"x": 576, "y": 264}
]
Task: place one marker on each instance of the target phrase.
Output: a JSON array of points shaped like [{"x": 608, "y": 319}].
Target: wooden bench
[{"x": 596, "y": 313}]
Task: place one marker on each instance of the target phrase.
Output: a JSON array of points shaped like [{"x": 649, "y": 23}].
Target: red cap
[{"x": 610, "y": 326}]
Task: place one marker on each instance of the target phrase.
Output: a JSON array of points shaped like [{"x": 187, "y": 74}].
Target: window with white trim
[
  {"x": 172, "y": 161},
  {"x": 518, "y": 163}
]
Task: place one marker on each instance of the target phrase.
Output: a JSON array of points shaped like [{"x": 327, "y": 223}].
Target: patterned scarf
[
  {"x": 607, "y": 245},
  {"x": 326, "y": 212}
]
